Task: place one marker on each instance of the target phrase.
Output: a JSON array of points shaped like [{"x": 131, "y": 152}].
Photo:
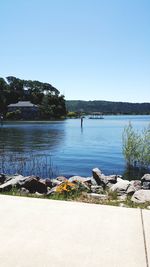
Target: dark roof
[{"x": 22, "y": 104}]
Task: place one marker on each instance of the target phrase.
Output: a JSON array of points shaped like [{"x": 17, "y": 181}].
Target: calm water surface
[{"x": 71, "y": 150}]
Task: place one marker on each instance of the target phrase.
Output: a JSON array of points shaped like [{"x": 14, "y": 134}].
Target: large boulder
[
  {"x": 145, "y": 180},
  {"x": 104, "y": 180},
  {"x": 134, "y": 186},
  {"x": 112, "y": 179},
  {"x": 141, "y": 196},
  {"x": 120, "y": 187},
  {"x": 14, "y": 181},
  {"x": 32, "y": 183},
  {"x": 5, "y": 178},
  {"x": 99, "y": 177}
]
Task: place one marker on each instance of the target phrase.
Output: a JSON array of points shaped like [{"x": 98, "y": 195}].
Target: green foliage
[
  {"x": 72, "y": 114},
  {"x": 47, "y": 97},
  {"x": 13, "y": 115},
  {"x": 136, "y": 147},
  {"x": 144, "y": 157}
]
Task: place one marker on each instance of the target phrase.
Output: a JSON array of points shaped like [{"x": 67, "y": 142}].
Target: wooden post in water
[
  {"x": 81, "y": 122},
  {"x": 1, "y": 119}
]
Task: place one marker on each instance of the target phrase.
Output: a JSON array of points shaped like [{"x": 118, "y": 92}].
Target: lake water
[{"x": 64, "y": 148}]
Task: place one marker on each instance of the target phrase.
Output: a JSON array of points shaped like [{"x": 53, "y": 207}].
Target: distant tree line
[
  {"x": 51, "y": 104},
  {"x": 107, "y": 107}
]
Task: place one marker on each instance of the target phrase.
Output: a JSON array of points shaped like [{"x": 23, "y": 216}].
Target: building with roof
[{"x": 24, "y": 109}]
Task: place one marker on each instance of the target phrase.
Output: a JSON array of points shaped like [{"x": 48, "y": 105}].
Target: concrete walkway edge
[{"x": 41, "y": 232}]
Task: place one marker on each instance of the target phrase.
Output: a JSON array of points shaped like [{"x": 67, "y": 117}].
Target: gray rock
[
  {"x": 111, "y": 179},
  {"x": 14, "y": 181},
  {"x": 119, "y": 179},
  {"x": 32, "y": 183},
  {"x": 97, "y": 174},
  {"x": 52, "y": 191},
  {"x": 121, "y": 186},
  {"x": 133, "y": 187},
  {"x": 61, "y": 178},
  {"x": 146, "y": 185},
  {"x": 97, "y": 196},
  {"x": 96, "y": 189},
  {"x": 79, "y": 179},
  {"x": 91, "y": 180},
  {"x": 103, "y": 180},
  {"x": 141, "y": 196},
  {"x": 47, "y": 182},
  {"x": 146, "y": 177},
  {"x": 145, "y": 180},
  {"x": 55, "y": 182}
]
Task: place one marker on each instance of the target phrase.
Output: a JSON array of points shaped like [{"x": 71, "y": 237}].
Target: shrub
[
  {"x": 13, "y": 114},
  {"x": 72, "y": 114},
  {"x": 136, "y": 147}
]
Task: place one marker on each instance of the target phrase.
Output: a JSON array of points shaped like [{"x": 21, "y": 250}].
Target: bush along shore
[{"x": 98, "y": 188}]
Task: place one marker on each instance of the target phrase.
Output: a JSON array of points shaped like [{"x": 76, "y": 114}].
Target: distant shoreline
[{"x": 108, "y": 107}]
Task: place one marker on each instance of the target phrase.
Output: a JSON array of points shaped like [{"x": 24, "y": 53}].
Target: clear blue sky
[{"x": 88, "y": 49}]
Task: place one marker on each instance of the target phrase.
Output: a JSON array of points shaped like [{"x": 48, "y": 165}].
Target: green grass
[{"x": 82, "y": 197}]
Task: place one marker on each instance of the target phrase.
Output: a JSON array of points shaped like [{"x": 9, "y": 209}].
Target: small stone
[{"x": 97, "y": 196}]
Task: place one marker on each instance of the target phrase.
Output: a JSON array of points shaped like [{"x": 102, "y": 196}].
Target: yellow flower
[{"x": 65, "y": 187}]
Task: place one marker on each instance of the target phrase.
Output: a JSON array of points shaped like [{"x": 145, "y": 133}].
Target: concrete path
[{"x": 47, "y": 233}]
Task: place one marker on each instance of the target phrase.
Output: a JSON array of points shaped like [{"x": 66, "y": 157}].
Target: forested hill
[{"x": 108, "y": 107}]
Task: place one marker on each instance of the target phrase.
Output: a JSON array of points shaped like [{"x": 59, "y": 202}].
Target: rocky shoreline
[{"x": 97, "y": 188}]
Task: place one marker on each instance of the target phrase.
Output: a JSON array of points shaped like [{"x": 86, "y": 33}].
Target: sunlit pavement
[{"x": 48, "y": 233}]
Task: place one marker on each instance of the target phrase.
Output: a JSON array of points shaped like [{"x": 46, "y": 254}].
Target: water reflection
[{"x": 26, "y": 138}]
